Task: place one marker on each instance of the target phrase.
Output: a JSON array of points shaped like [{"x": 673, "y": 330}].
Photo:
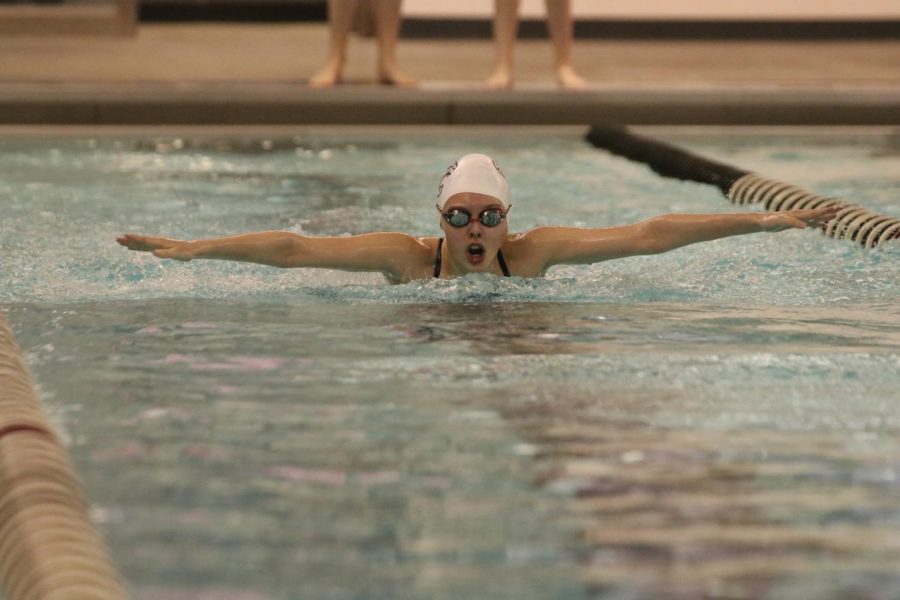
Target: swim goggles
[{"x": 460, "y": 217}]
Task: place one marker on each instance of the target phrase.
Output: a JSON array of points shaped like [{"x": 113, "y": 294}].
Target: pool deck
[{"x": 254, "y": 74}]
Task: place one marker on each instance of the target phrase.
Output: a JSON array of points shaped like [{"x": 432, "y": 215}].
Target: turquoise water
[{"x": 718, "y": 421}]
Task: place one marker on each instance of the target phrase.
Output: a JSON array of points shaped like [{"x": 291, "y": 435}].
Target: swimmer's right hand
[{"x": 160, "y": 247}]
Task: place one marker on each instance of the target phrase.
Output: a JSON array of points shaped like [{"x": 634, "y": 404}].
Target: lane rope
[
  {"x": 49, "y": 549},
  {"x": 853, "y": 223}
]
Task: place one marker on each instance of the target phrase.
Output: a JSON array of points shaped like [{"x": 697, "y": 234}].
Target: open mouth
[{"x": 475, "y": 253}]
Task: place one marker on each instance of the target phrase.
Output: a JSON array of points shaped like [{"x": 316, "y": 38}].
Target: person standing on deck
[
  {"x": 386, "y": 14},
  {"x": 560, "y": 27}
]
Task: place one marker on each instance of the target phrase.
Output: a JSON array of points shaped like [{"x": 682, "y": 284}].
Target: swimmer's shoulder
[
  {"x": 538, "y": 239},
  {"x": 402, "y": 243},
  {"x": 524, "y": 253},
  {"x": 416, "y": 257},
  {"x": 424, "y": 248}
]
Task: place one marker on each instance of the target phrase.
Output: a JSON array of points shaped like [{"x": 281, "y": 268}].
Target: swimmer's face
[{"x": 473, "y": 247}]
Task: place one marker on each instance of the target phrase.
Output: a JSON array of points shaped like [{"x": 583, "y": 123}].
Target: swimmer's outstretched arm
[
  {"x": 390, "y": 253},
  {"x": 566, "y": 245}
]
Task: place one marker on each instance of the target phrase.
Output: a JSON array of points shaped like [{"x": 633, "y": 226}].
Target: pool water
[{"x": 721, "y": 421}]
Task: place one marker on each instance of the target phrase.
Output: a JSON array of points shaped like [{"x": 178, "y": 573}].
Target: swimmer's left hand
[{"x": 800, "y": 218}]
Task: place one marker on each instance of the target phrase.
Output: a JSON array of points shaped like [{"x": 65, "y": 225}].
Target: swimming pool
[{"x": 719, "y": 421}]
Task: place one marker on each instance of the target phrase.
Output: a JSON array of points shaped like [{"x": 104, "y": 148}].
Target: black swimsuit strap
[
  {"x": 437, "y": 260},
  {"x": 502, "y": 263}
]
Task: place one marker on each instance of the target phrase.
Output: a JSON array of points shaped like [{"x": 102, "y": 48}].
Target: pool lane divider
[
  {"x": 49, "y": 549},
  {"x": 853, "y": 223}
]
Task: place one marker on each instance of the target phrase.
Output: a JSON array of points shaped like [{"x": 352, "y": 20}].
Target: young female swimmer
[{"x": 473, "y": 202}]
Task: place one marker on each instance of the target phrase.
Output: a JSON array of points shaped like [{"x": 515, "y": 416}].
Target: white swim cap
[{"x": 476, "y": 173}]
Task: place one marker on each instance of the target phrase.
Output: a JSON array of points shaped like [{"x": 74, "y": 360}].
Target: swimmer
[{"x": 473, "y": 203}]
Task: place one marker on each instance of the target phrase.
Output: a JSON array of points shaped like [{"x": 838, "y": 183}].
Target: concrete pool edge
[
  {"x": 20, "y": 131},
  {"x": 243, "y": 103}
]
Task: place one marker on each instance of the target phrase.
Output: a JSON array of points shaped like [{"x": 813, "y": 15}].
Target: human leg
[
  {"x": 506, "y": 25},
  {"x": 340, "y": 19},
  {"x": 387, "y": 25},
  {"x": 560, "y": 26}
]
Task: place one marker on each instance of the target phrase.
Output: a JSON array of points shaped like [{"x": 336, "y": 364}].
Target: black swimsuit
[{"x": 437, "y": 260}]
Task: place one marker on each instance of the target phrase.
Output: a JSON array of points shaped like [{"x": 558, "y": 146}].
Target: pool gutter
[{"x": 244, "y": 103}]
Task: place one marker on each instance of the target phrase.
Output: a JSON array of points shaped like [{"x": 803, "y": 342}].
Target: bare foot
[
  {"x": 568, "y": 79},
  {"x": 328, "y": 76},
  {"x": 500, "y": 79},
  {"x": 391, "y": 75}
]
